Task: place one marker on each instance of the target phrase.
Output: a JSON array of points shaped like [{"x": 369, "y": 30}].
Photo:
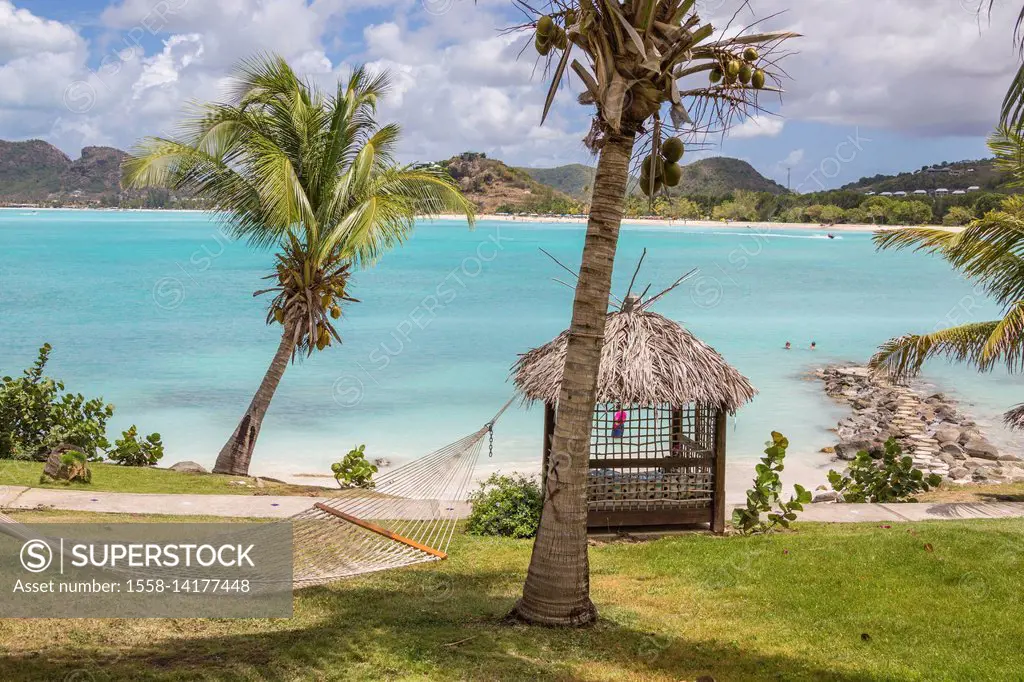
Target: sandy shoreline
[{"x": 764, "y": 227}]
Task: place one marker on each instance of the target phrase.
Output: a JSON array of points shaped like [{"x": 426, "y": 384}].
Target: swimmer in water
[
  {"x": 788, "y": 345},
  {"x": 814, "y": 345}
]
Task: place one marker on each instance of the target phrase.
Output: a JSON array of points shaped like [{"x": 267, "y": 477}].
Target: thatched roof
[{"x": 647, "y": 359}]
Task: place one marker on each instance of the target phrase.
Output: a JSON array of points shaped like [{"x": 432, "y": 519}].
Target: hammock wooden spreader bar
[{"x": 374, "y": 528}]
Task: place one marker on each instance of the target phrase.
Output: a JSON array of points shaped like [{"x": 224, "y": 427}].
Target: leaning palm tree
[
  {"x": 310, "y": 175},
  {"x": 641, "y": 59},
  {"x": 988, "y": 252}
]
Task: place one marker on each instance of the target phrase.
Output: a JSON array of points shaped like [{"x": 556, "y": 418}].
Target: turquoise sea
[{"x": 154, "y": 311}]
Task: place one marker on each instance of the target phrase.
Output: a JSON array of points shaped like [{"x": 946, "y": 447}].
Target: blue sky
[{"x": 877, "y": 87}]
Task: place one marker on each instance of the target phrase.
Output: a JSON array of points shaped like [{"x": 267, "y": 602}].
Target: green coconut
[
  {"x": 279, "y": 315},
  {"x": 750, "y": 54},
  {"x": 732, "y": 68},
  {"x": 757, "y": 80},
  {"x": 542, "y": 44},
  {"x": 672, "y": 150},
  {"x": 645, "y": 186},
  {"x": 335, "y": 312},
  {"x": 746, "y": 73},
  {"x": 673, "y": 174},
  {"x": 656, "y": 162},
  {"x": 545, "y": 26},
  {"x": 561, "y": 40},
  {"x": 715, "y": 75}
]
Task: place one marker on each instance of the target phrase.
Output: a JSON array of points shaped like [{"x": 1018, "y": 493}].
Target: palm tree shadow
[{"x": 418, "y": 627}]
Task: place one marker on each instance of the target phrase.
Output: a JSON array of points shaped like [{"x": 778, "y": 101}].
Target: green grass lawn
[
  {"x": 929, "y": 601},
  {"x": 147, "y": 480}
]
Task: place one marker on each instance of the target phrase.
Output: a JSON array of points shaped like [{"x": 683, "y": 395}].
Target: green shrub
[
  {"x": 354, "y": 471},
  {"x": 130, "y": 451},
  {"x": 506, "y": 506},
  {"x": 893, "y": 479},
  {"x": 36, "y": 415},
  {"x": 958, "y": 215},
  {"x": 765, "y": 496}
]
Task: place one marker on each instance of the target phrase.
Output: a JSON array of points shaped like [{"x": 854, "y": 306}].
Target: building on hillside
[
  {"x": 973, "y": 188},
  {"x": 920, "y": 192},
  {"x": 941, "y": 191}
]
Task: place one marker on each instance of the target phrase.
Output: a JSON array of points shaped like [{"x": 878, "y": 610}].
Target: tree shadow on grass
[{"x": 421, "y": 624}]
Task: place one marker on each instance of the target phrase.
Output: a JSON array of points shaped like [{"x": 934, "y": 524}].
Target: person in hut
[{"x": 619, "y": 422}]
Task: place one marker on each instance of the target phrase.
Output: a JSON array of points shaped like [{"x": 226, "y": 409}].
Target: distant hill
[
  {"x": 720, "y": 175},
  {"x": 576, "y": 180},
  {"x": 715, "y": 177},
  {"x": 493, "y": 186},
  {"x": 35, "y": 171},
  {"x": 951, "y": 176}
]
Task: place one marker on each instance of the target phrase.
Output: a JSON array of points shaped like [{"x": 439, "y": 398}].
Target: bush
[
  {"x": 958, "y": 215},
  {"x": 130, "y": 451},
  {"x": 765, "y": 496},
  {"x": 506, "y": 506},
  {"x": 354, "y": 471},
  {"x": 36, "y": 415},
  {"x": 893, "y": 479}
]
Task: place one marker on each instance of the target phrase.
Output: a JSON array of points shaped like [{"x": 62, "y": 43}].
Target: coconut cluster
[
  {"x": 739, "y": 68},
  {"x": 663, "y": 168},
  {"x": 550, "y": 35}
]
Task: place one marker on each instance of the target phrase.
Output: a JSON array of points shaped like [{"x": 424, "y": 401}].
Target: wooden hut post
[
  {"x": 549, "y": 434},
  {"x": 718, "y": 513}
]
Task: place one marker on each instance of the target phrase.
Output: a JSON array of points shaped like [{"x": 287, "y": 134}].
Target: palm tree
[
  {"x": 310, "y": 175},
  {"x": 988, "y": 252},
  {"x": 640, "y": 56}
]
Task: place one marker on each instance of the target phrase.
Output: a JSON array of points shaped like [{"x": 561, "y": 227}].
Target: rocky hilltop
[{"x": 930, "y": 428}]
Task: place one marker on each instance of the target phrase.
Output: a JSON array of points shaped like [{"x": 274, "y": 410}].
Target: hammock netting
[{"x": 408, "y": 517}]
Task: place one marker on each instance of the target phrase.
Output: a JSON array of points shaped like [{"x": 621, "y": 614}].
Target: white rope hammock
[{"x": 408, "y": 518}]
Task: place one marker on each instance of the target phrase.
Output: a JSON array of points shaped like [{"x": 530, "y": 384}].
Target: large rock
[
  {"x": 959, "y": 473},
  {"x": 830, "y": 496},
  {"x": 953, "y": 450},
  {"x": 56, "y": 469},
  {"x": 188, "y": 467},
  {"x": 848, "y": 450},
  {"x": 1009, "y": 458},
  {"x": 981, "y": 449},
  {"x": 947, "y": 433}
]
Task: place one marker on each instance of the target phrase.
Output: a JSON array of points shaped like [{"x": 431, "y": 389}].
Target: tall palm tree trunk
[
  {"x": 557, "y": 589},
  {"x": 236, "y": 454}
]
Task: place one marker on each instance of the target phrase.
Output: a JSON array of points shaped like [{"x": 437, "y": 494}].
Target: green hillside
[
  {"x": 716, "y": 177},
  {"x": 574, "y": 179},
  {"x": 951, "y": 176}
]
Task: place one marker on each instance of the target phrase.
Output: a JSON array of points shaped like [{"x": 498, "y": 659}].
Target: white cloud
[
  {"x": 792, "y": 159},
  {"x": 25, "y": 34},
  {"x": 758, "y": 126},
  {"x": 910, "y": 66}
]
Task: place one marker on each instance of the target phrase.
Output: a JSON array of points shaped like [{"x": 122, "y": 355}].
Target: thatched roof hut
[
  {"x": 657, "y": 446},
  {"x": 647, "y": 359}
]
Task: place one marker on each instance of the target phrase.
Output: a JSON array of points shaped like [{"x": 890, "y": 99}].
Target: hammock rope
[{"x": 408, "y": 517}]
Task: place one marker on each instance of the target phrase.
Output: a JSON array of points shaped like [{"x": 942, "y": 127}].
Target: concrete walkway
[{"x": 273, "y": 506}]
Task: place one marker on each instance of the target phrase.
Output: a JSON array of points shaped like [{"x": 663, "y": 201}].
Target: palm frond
[
  {"x": 1014, "y": 418},
  {"x": 904, "y": 356}
]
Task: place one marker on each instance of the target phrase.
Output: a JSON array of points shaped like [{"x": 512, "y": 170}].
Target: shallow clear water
[{"x": 154, "y": 311}]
